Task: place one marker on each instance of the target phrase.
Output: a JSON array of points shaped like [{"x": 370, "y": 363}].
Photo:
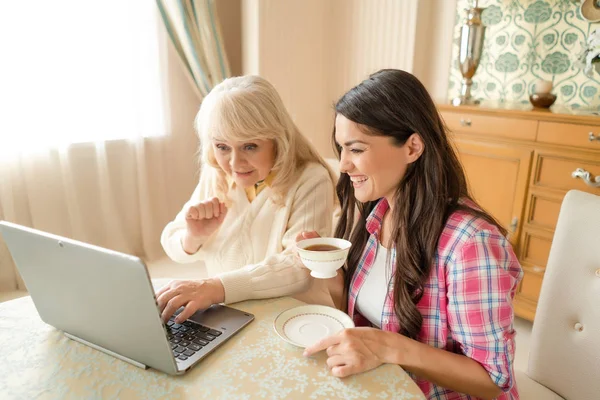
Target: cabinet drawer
[
  {"x": 531, "y": 285},
  {"x": 522, "y": 129},
  {"x": 543, "y": 210},
  {"x": 569, "y": 135},
  {"x": 535, "y": 248},
  {"x": 555, "y": 171}
]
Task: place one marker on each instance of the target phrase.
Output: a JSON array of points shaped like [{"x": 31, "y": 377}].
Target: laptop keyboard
[{"x": 188, "y": 338}]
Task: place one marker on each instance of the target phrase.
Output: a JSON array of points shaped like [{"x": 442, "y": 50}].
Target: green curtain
[{"x": 194, "y": 29}]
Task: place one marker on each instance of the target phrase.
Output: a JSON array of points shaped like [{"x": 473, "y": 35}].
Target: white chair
[{"x": 564, "y": 357}]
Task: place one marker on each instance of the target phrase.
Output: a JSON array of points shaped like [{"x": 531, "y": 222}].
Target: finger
[
  {"x": 333, "y": 350},
  {"x": 310, "y": 235},
  {"x": 306, "y": 235},
  {"x": 343, "y": 371},
  {"x": 208, "y": 210},
  {"x": 192, "y": 213},
  {"x": 187, "y": 312},
  {"x": 201, "y": 211},
  {"x": 172, "y": 306},
  {"x": 163, "y": 289},
  {"x": 336, "y": 361},
  {"x": 223, "y": 214},
  {"x": 321, "y": 345},
  {"x": 216, "y": 210},
  {"x": 164, "y": 298}
]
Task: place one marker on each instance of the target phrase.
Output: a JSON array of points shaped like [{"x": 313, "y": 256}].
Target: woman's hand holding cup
[
  {"x": 307, "y": 235},
  {"x": 322, "y": 255}
]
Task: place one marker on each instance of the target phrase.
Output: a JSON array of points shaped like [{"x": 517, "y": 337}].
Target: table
[{"x": 38, "y": 361}]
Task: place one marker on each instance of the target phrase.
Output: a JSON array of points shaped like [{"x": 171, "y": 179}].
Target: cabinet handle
[
  {"x": 537, "y": 269},
  {"x": 514, "y": 224},
  {"x": 593, "y": 137},
  {"x": 512, "y": 228},
  {"x": 587, "y": 177},
  {"x": 467, "y": 122}
]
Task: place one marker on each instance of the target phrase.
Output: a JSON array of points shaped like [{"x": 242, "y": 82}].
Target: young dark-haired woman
[{"x": 431, "y": 277}]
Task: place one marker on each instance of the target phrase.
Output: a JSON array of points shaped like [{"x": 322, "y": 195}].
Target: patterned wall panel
[{"x": 526, "y": 40}]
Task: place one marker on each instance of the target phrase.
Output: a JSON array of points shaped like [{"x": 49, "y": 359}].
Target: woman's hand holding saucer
[{"x": 354, "y": 350}]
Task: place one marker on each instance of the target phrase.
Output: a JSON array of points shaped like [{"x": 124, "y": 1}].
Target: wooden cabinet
[
  {"x": 498, "y": 176},
  {"x": 519, "y": 165}
]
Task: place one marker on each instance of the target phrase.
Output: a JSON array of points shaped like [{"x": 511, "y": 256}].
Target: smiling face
[
  {"x": 374, "y": 163},
  {"x": 247, "y": 162}
]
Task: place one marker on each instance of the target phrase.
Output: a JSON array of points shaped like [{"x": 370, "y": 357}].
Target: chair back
[{"x": 565, "y": 340}]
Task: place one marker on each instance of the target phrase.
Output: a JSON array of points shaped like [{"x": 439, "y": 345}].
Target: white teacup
[{"x": 323, "y": 256}]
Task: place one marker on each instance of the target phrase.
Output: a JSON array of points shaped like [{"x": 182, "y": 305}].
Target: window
[{"x": 79, "y": 71}]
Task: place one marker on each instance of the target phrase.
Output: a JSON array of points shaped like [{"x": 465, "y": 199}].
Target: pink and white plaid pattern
[{"x": 467, "y": 300}]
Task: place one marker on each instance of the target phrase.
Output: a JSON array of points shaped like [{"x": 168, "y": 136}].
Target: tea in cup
[{"x": 323, "y": 256}]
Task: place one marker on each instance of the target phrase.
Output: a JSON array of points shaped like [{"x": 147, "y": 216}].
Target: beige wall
[
  {"x": 315, "y": 50},
  {"x": 433, "y": 45},
  {"x": 367, "y": 36},
  {"x": 293, "y": 55}
]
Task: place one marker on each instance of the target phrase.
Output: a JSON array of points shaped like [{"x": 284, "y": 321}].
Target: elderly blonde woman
[{"x": 261, "y": 184}]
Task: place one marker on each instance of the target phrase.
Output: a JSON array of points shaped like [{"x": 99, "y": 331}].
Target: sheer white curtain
[
  {"x": 96, "y": 136},
  {"x": 78, "y": 71}
]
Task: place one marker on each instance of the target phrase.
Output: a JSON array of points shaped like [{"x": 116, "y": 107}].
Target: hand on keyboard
[{"x": 192, "y": 295}]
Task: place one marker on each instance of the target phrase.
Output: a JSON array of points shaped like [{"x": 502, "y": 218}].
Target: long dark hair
[{"x": 394, "y": 103}]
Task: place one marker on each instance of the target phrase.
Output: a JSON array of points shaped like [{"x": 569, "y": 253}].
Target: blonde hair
[{"x": 247, "y": 108}]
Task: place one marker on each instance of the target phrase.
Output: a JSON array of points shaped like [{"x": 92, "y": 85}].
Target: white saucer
[{"x": 303, "y": 326}]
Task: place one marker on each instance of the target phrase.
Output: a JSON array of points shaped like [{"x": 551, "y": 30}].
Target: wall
[
  {"x": 366, "y": 36},
  {"x": 433, "y": 45},
  {"x": 526, "y": 40},
  {"x": 313, "y": 50},
  {"x": 293, "y": 55}
]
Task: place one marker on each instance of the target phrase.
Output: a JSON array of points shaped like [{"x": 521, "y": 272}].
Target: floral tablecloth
[{"x": 39, "y": 362}]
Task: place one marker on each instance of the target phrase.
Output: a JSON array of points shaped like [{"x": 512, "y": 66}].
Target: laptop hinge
[{"x": 112, "y": 353}]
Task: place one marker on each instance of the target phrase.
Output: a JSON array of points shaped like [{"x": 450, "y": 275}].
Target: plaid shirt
[{"x": 467, "y": 300}]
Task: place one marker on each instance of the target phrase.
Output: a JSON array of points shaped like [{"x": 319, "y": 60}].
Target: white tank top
[{"x": 370, "y": 299}]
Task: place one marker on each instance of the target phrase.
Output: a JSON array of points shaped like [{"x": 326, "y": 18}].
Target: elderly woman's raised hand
[
  {"x": 205, "y": 217},
  {"x": 202, "y": 220}
]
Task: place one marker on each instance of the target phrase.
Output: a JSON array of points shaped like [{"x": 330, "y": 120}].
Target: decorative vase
[
  {"x": 471, "y": 45},
  {"x": 542, "y": 100}
]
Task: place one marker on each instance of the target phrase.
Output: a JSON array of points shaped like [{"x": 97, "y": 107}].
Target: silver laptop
[{"x": 105, "y": 299}]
